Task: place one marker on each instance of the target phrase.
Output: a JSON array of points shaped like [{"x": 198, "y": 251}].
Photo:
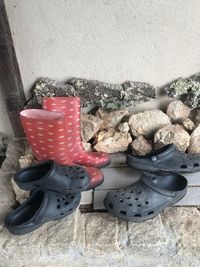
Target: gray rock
[
  {"x": 7, "y": 196},
  {"x": 196, "y": 117},
  {"x": 194, "y": 147},
  {"x": 20, "y": 194},
  {"x": 106, "y": 95},
  {"x": 112, "y": 96},
  {"x": 178, "y": 111},
  {"x": 10, "y": 165},
  {"x": 188, "y": 125},
  {"x": 27, "y": 159},
  {"x": 111, "y": 141},
  {"x": 15, "y": 149},
  {"x": 123, "y": 127},
  {"x": 172, "y": 134},
  {"x": 87, "y": 146},
  {"x": 46, "y": 87},
  {"x": 4, "y": 139},
  {"x": 147, "y": 122},
  {"x": 90, "y": 125},
  {"x": 111, "y": 119},
  {"x": 141, "y": 146},
  {"x": 188, "y": 88}
]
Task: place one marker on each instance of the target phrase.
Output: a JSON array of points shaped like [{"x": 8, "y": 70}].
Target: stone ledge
[
  {"x": 184, "y": 224},
  {"x": 97, "y": 239},
  {"x": 172, "y": 239},
  {"x": 15, "y": 149}
]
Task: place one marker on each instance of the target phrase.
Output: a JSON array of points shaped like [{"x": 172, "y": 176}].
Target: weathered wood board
[
  {"x": 87, "y": 197},
  {"x": 118, "y": 175},
  {"x": 11, "y": 86},
  {"x": 192, "y": 198}
]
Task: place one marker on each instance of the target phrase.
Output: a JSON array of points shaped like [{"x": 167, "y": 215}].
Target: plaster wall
[{"x": 110, "y": 40}]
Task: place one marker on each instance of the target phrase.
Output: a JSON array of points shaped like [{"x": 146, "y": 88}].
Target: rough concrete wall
[{"x": 110, "y": 40}]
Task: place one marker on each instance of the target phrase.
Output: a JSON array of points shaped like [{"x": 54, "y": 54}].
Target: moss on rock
[
  {"x": 188, "y": 88},
  {"x": 105, "y": 95}
]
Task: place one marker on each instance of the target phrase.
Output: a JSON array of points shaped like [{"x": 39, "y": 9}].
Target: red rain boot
[
  {"x": 70, "y": 107},
  {"x": 45, "y": 132}
]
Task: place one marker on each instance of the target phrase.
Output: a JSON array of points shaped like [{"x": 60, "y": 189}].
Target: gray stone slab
[
  {"x": 185, "y": 224},
  {"x": 53, "y": 239},
  {"x": 7, "y": 196},
  {"x": 101, "y": 232},
  {"x": 16, "y": 148},
  {"x": 98, "y": 239},
  {"x": 10, "y": 165},
  {"x": 148, "y": 237}
]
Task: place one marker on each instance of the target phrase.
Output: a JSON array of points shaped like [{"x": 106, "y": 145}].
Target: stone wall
[
  {"x": 97, "y": 239},
  {"x": 172, "y": 239}
]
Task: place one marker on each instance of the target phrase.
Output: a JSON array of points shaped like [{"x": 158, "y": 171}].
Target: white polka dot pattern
[
  {"x": 50, "y": 141},
  {"x": 45, "y": 133},
  {"x": 70, "y": 107}
]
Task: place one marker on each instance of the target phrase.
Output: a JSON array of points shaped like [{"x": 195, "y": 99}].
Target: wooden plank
[
  {"x": 192, "y": 198},
  {"x": 193, "y": 178},
  {"x": 10, "y": 80},
  {"x": 117, "y": 160},
  {"x": 87, "y": 197},
  {"x": 99, "y": 196},
  {"x": 118, "y": 177},
  {"x": 124, "y": 176},
  {"x": 86, "y": 204}
]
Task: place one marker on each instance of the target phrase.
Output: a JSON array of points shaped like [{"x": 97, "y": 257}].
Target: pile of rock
[{"x": 143, "y": 132}]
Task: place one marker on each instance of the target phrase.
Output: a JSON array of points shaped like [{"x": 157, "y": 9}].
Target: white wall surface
[{"x": 110, "y": 40}]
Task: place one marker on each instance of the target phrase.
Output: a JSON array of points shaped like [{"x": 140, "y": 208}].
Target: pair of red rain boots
[{"x": 55, "y": 133}]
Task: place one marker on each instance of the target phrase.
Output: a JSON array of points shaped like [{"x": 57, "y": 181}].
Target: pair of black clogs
[
  {"x": 55, "y": 193},
  {"x": 160, "y": 186}
]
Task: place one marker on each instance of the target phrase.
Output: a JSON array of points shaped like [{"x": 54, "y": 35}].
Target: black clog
[
  {"x": 147, "y": 197},
  {"x": 42, "y": 206},
  {"x": 48, "y": 174},
  {"x": 167, "y": 159}
]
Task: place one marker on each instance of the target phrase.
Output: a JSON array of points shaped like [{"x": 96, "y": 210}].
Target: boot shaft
[{"x": 45, "y": 132}]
